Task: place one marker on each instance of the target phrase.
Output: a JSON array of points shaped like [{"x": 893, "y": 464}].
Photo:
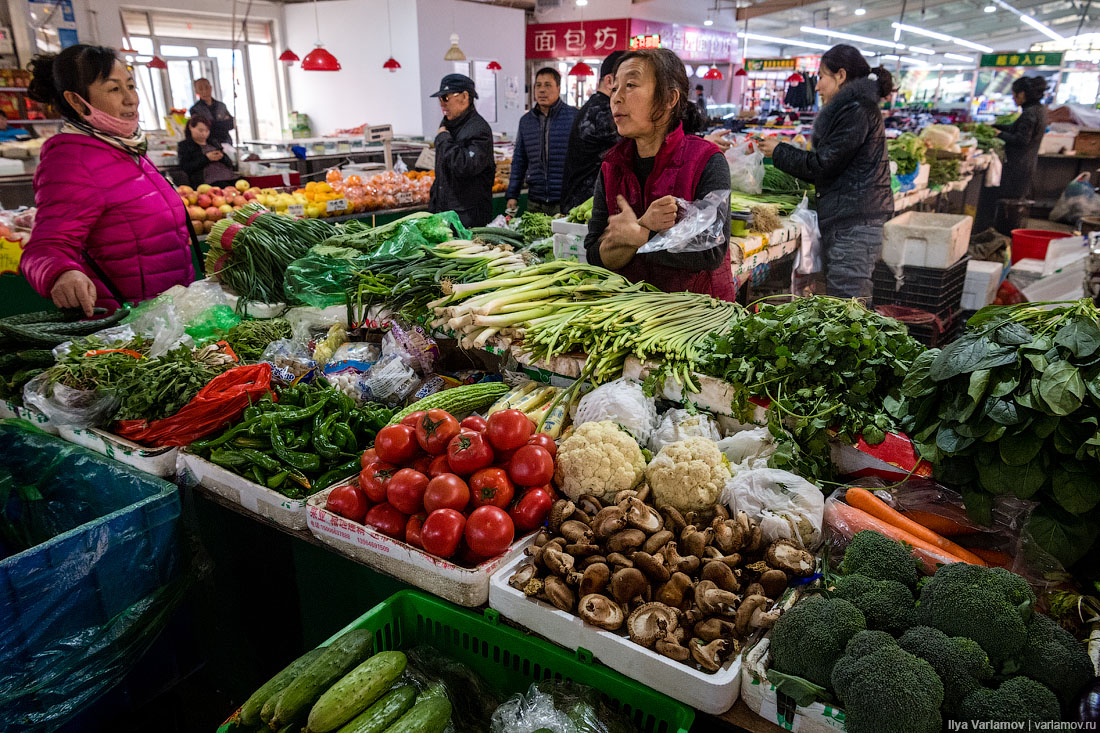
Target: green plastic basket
[{"x": 508, "y": 659}]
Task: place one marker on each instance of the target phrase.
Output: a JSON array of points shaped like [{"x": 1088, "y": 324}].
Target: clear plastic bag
[
  {"x": 348, "y": 365},
  {"x": 785, "y": 506},
  {"x": 679, "y": 424},
  {"x": 623, "y": 402},
  {"x": 389, "y": 381},
  {"x": 746, "y": 167},
  {"x": 808, "y": 256},
  {"x": 289, "y": 359},
  {"x": 561, "y": 707},
  {"x": 413, "y": 346},
  {"x": 700, "y": 226},
  {"x": 1077, "y": 201},
  {"x": 63, "y": 405}
]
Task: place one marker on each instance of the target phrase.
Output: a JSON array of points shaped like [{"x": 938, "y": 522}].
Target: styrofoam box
[
  {"x": 289, "y": 513},
  {"x": 923, "y": 172},
  {"x": 762, "y": 698},
  {"x": 1057, "y": 142},
  {"x": 569, "y": 239},
  {"x": 31, "y": 415},
  {"x": 980, "y": 286},
  {"x": 712, "y": 693},
  {"x": 926, "y": 240},
  {"x": 461, "y": 585},
  {"x": 157, "y": 461}
]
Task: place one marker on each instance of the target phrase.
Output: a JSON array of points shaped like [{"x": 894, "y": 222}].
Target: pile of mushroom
[{"x": 691, "y": 588}]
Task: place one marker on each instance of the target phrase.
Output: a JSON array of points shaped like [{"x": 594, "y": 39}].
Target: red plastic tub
[{"x": 1032, "y": 243}]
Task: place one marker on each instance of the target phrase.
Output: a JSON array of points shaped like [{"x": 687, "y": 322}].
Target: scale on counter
[{"x": 382, "y": 134}]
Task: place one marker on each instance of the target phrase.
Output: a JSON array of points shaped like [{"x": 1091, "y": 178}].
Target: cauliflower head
[
  {"x": 688, "y": 475},
  {"x": 599, "y": 458}
]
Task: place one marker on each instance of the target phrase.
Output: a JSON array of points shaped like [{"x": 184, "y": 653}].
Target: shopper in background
[
  {"x": 849, "y": 166},
  {"x": 541, "y": 145},
  {"x": 701, "y": 100},
  {"x": 592, "y": 135},
  {"x": 7, "y": 134},
  {"x": 1023, "y": 137},
  {"x": 109, "y": 227},
  {"x": 202, "y": 159},
  {"x": 464, "y": 166},
  {"x": 213, "y": 110},
  {"x": 643, "y": 175}
]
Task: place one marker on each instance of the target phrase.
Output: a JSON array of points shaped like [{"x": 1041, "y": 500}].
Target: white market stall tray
[
  {"x": 289, "y": 513},
  {"x": 762, "y": 698},
  {"x": 711, "y": 693},
  {"x": 157, "y": 461},
  {"x": 10, "y": 410},
  {"x": 455, "y": 583}
]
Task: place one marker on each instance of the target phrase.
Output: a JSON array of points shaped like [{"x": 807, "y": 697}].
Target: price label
[
  {"x": 296, "y": 209},
  {"x": 336, "y": 205}
]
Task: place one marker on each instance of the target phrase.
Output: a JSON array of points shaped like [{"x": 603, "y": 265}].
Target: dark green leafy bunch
[
  {"x": 821, "y": 363},
  {"x": 1013, "y": 407},
  {"x": 248, "y": 339},
  {"x": 81, "y": 368},
  {"x": 535, "y": 226},
  {"x": 157, "y": 388}
]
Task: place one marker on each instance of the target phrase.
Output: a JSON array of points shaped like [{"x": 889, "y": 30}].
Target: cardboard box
[{"x": 1087, "y": 143}]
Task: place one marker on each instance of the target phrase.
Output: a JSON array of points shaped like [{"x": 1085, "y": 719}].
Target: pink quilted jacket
[{"x": 94, "y": 199}]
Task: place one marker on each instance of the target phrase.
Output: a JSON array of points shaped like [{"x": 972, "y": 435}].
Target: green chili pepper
[
  {"x": 277, "y": 480},
  {"x": 336, "y": 474},
  {"x": 245, "y": 441},
  {"x": 345, "y": 438},
  {"x": 251, "y": 412},
  {"x": 257, "y": 475},
  {"x": 283, "y": 417},
  {"x": 322, "y": 441},
  {"x": 301, "y": 440},
  {"x": 262, "y": 460},
  {"x": 228, "y": 458},
  {"x": 301, "y": 461}
]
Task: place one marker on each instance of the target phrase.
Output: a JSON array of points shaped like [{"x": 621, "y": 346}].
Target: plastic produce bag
[
  {"x": 212, "y": 324},
  {"x": 389, "y": 381},
  {"x": 623, "y": 402},
  {"x": 472, "y": 699},
  {"x": 699, "y": 226},
  {"x": 78, "y": 610},
  {"x": 413, "y": 346},
  {"x": 289, "y": 360},
  {"x": 680, "y": 424},
  {"x": 322, "y": 277},
  {"x": 746, "y": 167},
  {"x": 785, "y": 506},
  {"x": 941, "y": 137},
  {"x": 808, "y": 257},
  {"x": 748, "y": 449},
  {"x": 1076, "y": 202},
  {"x": 63, "y": 405},
  {"x": 349, "y": 363},
  {"x": 561, "y": 707}
]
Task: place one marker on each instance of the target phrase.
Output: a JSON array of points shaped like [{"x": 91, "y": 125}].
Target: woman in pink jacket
[{"x": 109, "y": 226}]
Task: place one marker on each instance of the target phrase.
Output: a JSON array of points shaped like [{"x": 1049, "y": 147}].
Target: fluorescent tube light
[
  {"x": 784, "y": 41},
  {"x": 1042, "y": 28},
  {"x": 959, "y": 57},
  {"x": 850, "y": 37},
  {"x": 941, "y": 37}
]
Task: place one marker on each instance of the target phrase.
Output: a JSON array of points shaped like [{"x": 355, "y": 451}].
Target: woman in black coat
[
  {"x": 203, "y": 160},
  {"x": 1023, "y": 137},
  {"x": 849, "y": 167}
]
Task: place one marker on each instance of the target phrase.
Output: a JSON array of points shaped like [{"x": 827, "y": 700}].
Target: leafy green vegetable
[
  {"x": 777, "y": 181},
  {"x": 534, "y": 226},
  {"x": 907, "y": 150},
  {"x": 784, "y": 202},
  {"x": 943, "y": 171}
]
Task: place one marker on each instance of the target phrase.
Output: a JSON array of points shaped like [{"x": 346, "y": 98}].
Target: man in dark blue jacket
[{"x": 541, "y": 144}]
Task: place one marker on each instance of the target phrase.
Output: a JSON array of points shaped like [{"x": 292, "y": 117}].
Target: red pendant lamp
[
  {"x": 582, "y": 69},
  {"x": 493, "y": 66},
  {"x": 288, "y": 57},
  {"x": 157, "y": 63},
  {"x": 319, "y": 59},
  {"x": 391, "y": 65},
  {"x": 713, "y": 73},
  {"x": 741, "y": 72}
]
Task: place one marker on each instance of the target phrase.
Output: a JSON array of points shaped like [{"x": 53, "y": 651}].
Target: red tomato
[
  {"x": 469, "y": 452},
  {"x": 373, "y": 478},
  {"x": 412, "y": 418},
  {"x": 446, "y": 491},
  {"x": 474, "y": 422},
  {"x": 502, "y": 458},
  {"x": 442, "y": 532},
  {"x": 412, "y": 529},
  {"x": 405, "y": 490},
  {"x": 509, "y": 429},
  {"x": 491, "y": 486},
  {"x": 435, "y": 430},
  {"x": 347, "y": 501},
  {"x": 489, "y": 531},
  {"x": 368, "y": 457},
  {"x": 532, "y": 509},
  {"x": 421, "y": 463},
  {"x": 439, "y": 466},
  {"x": 545, "y": 441},
  {"x": 396, "y": 444},
  {"x": 387, "y": 520},
  {"x": 532, "y": 465}
]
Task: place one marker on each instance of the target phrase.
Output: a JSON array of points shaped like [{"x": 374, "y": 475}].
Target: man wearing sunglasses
[{"x": 464, "y": 166}]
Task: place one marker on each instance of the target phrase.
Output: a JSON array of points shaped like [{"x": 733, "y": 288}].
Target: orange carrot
[
  {"x": 837, "y": 513},
  {"x": 945, "y": 526},
  {"x": 868, "y": 502},
  {"x": 994, "y": 558}
]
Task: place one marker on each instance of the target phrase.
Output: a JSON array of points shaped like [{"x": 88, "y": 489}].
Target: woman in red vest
[{"x": 641, "y": 177}]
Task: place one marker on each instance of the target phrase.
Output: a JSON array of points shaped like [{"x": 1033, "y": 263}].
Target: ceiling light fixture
[
  {"x": 784, "y": 41},
  {"x": 958, "y": 57},
  {"x": 990, "y": 8},
  {"x": 581, "y": 3},
  {"x": 921, "y": 50},
  {"x": 454, "y": 53},
  {"x": 493, "y": 66},
  {"x": 391, "y": 65},
  {"x": 861, "y": 11},
  {"x": 905, "y": 59},
  {"x": 319, "y": 59},
  {"x": 157, "y": 63},
  {"x": 714, "y": 73},
  {"x": 741, "y": 72},
  {"x": 941, "y": 37},
  {"x": 708, "y": 21},
  {"x": 1046, "y": 31},
  {"x": 795, "y": 78},
  {"x": 850, "y": 37},
  {"x": 582, "y": 69},
  {"x": 288, "y": 57}
]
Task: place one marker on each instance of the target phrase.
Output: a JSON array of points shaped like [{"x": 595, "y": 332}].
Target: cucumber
[
  {"x": 429, "y": 715},
  {"x": 385, "y": 711},
  {"x": 338, "y": 658},
  {"x": 250, "y": 711},
  {"x": 355, "y": 691}
]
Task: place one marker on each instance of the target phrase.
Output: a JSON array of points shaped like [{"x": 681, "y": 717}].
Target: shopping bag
[
  {"x": 699, "y": 226},
  {"x": 746, "y": 167}
]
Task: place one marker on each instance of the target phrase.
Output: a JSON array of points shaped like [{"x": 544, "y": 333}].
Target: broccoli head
[
  {"x": 887, "y": 604},
  {"x": 808, "y": 639},
  {"x": 989, "y": 605},
  {"x": 885, "y": 688},
  {"x": 960, "y": 663},
  {"x": 1018, "y": 700},
  {"x": 879, "y": 557},
  {"x": 1054, "y": 657}
]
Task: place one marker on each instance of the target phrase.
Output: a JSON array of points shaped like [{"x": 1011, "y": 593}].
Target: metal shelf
[
  {"x": 35, "y": 122},
  {"x": 13, "y": 89}
]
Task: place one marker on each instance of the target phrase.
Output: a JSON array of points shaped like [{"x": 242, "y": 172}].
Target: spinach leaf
[
  {"x": 979, "y": 381},
  {"x": 1019, "y": 449},
  {"x": 918, "y": 381},
  {"x": 1065, "y": 536},
  {"x": 1004, "y": 382},
  {"x": 1002, "y": 411},
  {"x": 1012, "y": 334},
  {"x": 1081, "y": 336},
  {"x": 960, "y": 357},
  {"x": 1074, "y": 488},
  {"x": 1062, "y": 388}
]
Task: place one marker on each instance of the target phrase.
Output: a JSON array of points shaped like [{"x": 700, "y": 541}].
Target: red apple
[
  {"x": 214, "y": 213},
  {"x": 207, "y": 226},
  {"x": 196, "y": 212},
  {"x": 204, "y": 200}
]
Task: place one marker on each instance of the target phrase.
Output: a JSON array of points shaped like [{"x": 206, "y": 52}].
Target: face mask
[{"x": 104, "y": 122}]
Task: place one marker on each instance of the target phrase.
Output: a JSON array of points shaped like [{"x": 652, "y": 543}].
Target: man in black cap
[
  {"x": 592, "y": 135},
  {"x": 464, "y": 166}
]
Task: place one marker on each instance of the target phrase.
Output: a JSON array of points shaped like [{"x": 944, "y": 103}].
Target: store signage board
[
  {"x": 653, "y": 41},
  {"x": 1005, "y": 59},
  {"x": 336, "y": 205},
  {"x": 593, "y": 38},
  {"x": 771, "y": 64},
  {"x": 688, "y": 42}
]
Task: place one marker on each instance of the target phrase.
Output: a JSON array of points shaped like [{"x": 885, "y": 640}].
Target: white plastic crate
[
  {"x": 569, "y": 239},
  {"x": 712, "y": 693},
  {"x": 157, "y": 461},
  {"x": 926, "y": 240},
  {"x": 980, "y": 286},
  {"x": 290, "y": 513}
]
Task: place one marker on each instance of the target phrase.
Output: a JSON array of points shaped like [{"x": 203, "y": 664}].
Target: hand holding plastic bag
[
  {"x": 808, "y": 259},
  {"x": 700, "y": 226},
  {"x": 746, "y": 167}
]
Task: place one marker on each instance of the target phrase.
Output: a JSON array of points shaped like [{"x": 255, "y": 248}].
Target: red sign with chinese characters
[{"x": 566, "y": 40}]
